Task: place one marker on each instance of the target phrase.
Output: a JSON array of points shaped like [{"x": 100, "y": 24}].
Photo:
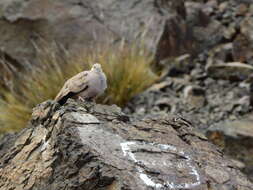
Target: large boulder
[
  {"x": 25, "y": 23},
  {"x": 236, "y": 139},
  {"x": 90, "y": 146},
  {"x": 168, "y": 26},
  {"x": 243, "y": 48}
]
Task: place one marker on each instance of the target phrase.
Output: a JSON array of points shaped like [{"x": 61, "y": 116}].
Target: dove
[{"x": 85, "y": 85}]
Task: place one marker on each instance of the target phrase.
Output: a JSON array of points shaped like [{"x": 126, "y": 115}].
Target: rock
[
  {"x": 210, "y": 35},
  {"x": 89, "y": 146},
  {"x": 243, "y": 48},
  {"x": 220, "y": 54},
  {"x": 235, "y": 128},
  {"x": 217, "y": 174},
  {"x": 223, "y": 99},
  {"x": 163, "y": 104},
  {"x": 216, "y": 32},
  {"x": 230, "y": 71},
  {"x": 161, "y": 86},
  {"x": 244, "y": 104},
  {"x": 194, "y": 96},
  {"x": 168, "y": 29},
  {"x": 26, "y": 22},
  {"x": 246, "y": 27},
  {"x": 230, "y": 31},
  {"x": 236, "y": 138},
  {"x": 250, "y": 10},
  {"x": 219, "y": 71},
  {"x": 223, "y": 6},
  {"x": 179, "y": 65},
  {"x": 242, "y": 9},
  {"x": 197, "y": 74},
  {"x": 210, "y": 6},
  {"x": 176, "y": 39},
  {"x": 82, "y": 24}
]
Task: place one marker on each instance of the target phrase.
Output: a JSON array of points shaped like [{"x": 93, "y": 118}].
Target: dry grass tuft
[
  {"x": 128, "y": 72},
  {"x": 127, "y": 69}
]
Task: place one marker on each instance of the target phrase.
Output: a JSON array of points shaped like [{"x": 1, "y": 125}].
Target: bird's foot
[{"x": 86, "y": 99}]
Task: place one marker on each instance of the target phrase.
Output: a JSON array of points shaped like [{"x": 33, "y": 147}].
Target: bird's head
[{"x": 96, "y": 67}]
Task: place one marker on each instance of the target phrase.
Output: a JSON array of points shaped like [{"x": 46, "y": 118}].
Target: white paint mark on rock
[
  {"x": 44, "y": 144},
  {"x": 146, "y": 179},
  {"x": 192, "y": 172},
  {"x": 84, "y": 118},
  {"x": 166, "y": 147},
  {"x": 127, "y": 151},
  {"x": 149, "y": 182}
]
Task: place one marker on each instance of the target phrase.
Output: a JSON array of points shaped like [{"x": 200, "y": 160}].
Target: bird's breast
[{"x": 96, "y": 84}]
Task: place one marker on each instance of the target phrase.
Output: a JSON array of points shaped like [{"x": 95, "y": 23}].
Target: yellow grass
[{"x": 127, "y": 69}]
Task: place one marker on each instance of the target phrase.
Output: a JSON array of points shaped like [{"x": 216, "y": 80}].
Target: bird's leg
[{"x": 81, "y": 99}]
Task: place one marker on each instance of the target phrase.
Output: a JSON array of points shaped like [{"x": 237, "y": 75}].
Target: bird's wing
[{"x": 74, "y": 85}]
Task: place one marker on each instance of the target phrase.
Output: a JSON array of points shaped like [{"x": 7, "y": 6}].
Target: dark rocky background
[{"x": 206, "y": 48}]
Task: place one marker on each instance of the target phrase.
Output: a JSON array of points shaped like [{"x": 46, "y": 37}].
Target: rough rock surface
[
  {"x": 218, "y": 100},
  {"x": 235, "y": 137},
  {"x": 217, "y": 32},
  {"x": 89, "y": 146},
  {"x": 232, "y": 71},
  {"x": 77, "y": 24},
  {"x": 204, "y": 100},
  {"x": 222, "y": 70},
  {"x": 171, "y": 28}
]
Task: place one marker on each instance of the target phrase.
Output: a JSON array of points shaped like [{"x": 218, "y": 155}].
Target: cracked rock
[{"x": 81, "y": 147}]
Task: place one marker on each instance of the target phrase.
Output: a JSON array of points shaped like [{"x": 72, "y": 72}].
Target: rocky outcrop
[
  {"x": 236, "y": 18},
  {"x": 230, "y": 71},
  {"x": 216, "y": 86},
  {"x": 170, "y": 28},
  {"x": 25, "y": 23},
  {"x": 89, "y": 146},
  {"x": 211, "y": 89},
  {"x": 236, "y": 139},
  {"x": 208, "y": 102}
]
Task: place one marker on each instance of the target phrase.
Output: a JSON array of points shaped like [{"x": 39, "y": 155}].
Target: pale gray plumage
[{"x": 86, "y": 85}]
